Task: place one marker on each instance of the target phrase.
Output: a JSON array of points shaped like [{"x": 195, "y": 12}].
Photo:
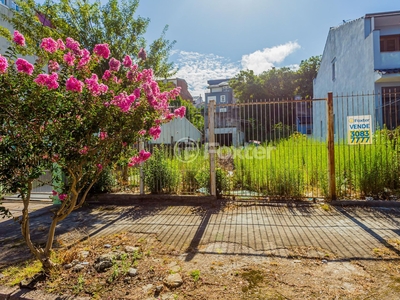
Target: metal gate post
[
  {"x": 141, "y": 174},
  {"x": 331, "y": 148},
  {"x": 211, "y": 147}
]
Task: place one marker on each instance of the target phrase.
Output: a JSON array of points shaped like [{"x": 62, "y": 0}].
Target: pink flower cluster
[
  {"x": 127, "y": 62},
  {"x": 73, "y": 45},
  {"x": 102, "y": 50},
  {"x": 180, "y": 112},
  {"x": 94, "y": 87},
  {"x": 85, "y": 58},
  {"x": 123, "y": 101},
  {"x": 135, "y": 160},
  {"x": 3, "y": 64},
  {"x": 106, "y": 75},
  {"x": 155, "y": 132},
  {"x": 24, "y": 66},
  {"x": 69, "y": 58},
  {"x": 103, "y": 135},
  {"x": 132, "y": 74},
  {"x": 47, "y": 80},
  {"x": 62, "y": 197},
  {"x": 53, "y": 66},
  {"x": 49, "y": 45},
  {"x": 142, "y": 54},
  {"x": 74, "y": 85},
  {"x": 114, "y": 64},
  {"x": 84, "y": 150},
  {"x": 61, "y": 44},
  {"x": 19, "y": 38}
]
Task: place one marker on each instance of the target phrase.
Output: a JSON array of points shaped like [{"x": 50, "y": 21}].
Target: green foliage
[
  {"x": 160, "y": 176},
  {"x": 105, "y": 182},
  {"x": 221, "y": 178},
  {"x": 195, "y": 274},
  {"x": 277, "y": 83},
  {"x": 297, "y": 167},
  {"x": 79, "y": 285},
  {"x": 305, "y": 76},
  {"x": 74, "y": 132},
  {"x": 91, "y": 23}
]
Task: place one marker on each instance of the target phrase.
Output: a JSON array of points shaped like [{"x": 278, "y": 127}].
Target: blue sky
[{"x": 218, "y": 38}]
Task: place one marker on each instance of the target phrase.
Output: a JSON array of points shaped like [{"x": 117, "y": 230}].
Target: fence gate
[{"x": 266, "y": 149}]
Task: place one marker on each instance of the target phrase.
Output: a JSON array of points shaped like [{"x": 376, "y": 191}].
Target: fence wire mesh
[
  {"x": 278, "y": 149},
  {"x": 266, "y": 149}
]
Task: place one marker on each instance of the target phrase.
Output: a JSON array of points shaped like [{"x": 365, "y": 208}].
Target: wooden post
[
  {"x": 211, "y": 147},
  {"x": 141, "y": 174},
  {"x": 331, "y": 148}
]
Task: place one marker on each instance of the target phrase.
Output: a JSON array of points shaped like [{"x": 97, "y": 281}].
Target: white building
[{"x": 361, "y": 66}]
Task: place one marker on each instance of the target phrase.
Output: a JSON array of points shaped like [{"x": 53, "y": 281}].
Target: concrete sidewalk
[
  {"x": 222, "y": 228},
  {"x": 268, "y": 229}
]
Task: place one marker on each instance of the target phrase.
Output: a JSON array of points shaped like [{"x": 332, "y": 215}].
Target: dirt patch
[{"x": 140, "y": 267}]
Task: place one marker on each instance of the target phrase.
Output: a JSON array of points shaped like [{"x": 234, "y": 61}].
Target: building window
[
  {"x": 15, "y": 6},
  {"x": 222, "y": 110},
  {"x": 391, "y": 106},
  {"x": 223, "y": 99},
  {"x": 390, "y": 43},
  {"x": 334, "y": 69}
]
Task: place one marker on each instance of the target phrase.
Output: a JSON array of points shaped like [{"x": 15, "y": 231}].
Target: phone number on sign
[{"x": 358, "y": 136}]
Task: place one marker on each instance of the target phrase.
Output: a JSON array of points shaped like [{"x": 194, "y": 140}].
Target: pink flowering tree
[{"x": 58, "y": 112}]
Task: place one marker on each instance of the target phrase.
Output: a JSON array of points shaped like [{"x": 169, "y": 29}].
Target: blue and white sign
[{"x": 359, "y": 130}]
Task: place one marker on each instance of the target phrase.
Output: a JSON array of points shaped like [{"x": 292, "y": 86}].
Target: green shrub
[
  {"x": 204, "y": 180},
  {"x": 105, "y": 183},
  {"x": 160, "y": 175}
]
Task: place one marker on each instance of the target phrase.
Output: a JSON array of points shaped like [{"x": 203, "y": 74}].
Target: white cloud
[
  {"x": 260, "y": 61},
  {"x": 197, "y": 68}
]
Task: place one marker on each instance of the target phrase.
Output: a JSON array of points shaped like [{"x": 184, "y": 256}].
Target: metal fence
[
  {"x": 266, "y": 149},
  {"x": 341, "y": 146},
  {"x": 338, "y": 147}
]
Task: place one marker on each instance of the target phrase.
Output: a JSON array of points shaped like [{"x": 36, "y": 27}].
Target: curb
[
  {"x": 130, "y": 199},
  {"x": 16, "y": 293}
]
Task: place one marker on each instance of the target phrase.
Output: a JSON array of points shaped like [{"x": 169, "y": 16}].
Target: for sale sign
[{"x": 359, "y": 130}]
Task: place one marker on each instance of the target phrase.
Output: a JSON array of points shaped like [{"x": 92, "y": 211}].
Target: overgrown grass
[
  {"x": 16, "y": 273},
  {"x": 295, "y": 167}
]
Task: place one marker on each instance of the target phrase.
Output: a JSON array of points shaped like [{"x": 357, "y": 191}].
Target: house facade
[
  {"x": 6, "y": 8},
  {"x": 361, "y": 66},
  {"x": 179, "y": 82},
  {"x": 226, "y": 119}
]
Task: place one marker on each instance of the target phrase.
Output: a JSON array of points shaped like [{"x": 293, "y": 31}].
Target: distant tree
[
  {"x": 247, "y": 86},
  {"x": 91, "y": 23},
  {"x": 305, "y": 76},
  {"x": 277, "y": 83}
]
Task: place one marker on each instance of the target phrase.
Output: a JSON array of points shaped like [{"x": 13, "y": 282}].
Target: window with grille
[
  {"x": 390, "y": 43},
  {"x": 391, "y": 106}
]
